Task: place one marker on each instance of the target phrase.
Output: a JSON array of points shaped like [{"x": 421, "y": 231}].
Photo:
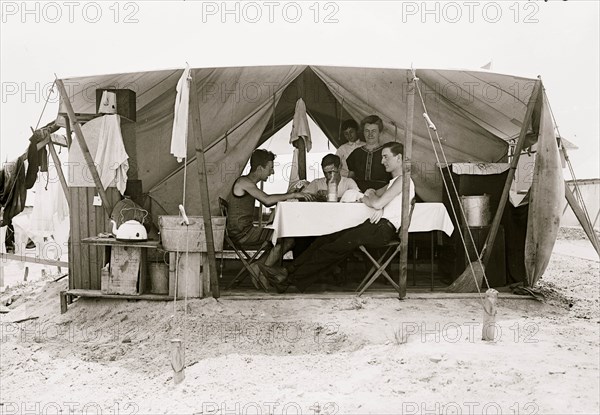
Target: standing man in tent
[
  {"x": 241, "y": 202},
  {"x": 350, "y": 132},
  {"x": 364, "y": 163}
]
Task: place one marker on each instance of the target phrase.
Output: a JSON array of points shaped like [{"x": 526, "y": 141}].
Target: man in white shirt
[
  {"x": 350, "y": 132},
  {"x": 331, "y": 169}
]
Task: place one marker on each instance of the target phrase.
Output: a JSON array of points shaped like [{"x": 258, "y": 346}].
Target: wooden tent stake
[
  {"x": 489, "y": 242},
  {"x": 178, "y": 360},
  {"x": 406, "y": 185},
  {"x": 195, "y": 131},
  {"x": 488, "y": 332},
  {"x": 84, "y": 148}
]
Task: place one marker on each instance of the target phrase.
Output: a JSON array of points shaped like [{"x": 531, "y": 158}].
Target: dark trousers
[
  {"x": 301, "y": 244},
  {"x": 330, "y": 249}
]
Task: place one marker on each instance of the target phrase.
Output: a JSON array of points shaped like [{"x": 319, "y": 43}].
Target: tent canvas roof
[{"x": 475, "y": 112}]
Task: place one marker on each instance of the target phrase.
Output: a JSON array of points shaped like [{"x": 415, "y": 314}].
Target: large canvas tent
[{"x": 477, "y": 113}]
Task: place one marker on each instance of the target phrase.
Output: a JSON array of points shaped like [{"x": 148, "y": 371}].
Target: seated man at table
[
  {"x": 375, "y": 232},
  {"x": 331, "y": 169},
  {"x": 364, "y": 163},
  {"x": 241, "y": 202}
]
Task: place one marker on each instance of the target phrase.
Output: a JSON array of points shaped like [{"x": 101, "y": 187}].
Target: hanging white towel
[
  {"x": 300, "y": 131},
  {"x": 180, "y": 121},
  {"x": 111, "y": 157},
  {"x": 300, "y": 125}
]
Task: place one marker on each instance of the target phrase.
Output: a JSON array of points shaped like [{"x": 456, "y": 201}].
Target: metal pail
[
  {"x": 159, "y": 278},
  {"x": 477, "y": 209}
]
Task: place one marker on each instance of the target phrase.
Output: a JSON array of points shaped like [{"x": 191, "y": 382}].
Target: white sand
[{"x": 307, "y": 355}]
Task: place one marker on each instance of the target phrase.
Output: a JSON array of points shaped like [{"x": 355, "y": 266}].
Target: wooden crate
[{"x": 125, "y": 269}]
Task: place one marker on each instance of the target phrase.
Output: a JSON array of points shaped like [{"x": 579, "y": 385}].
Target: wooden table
[
  {"x": 293, "y": 219},
  {"x": 297, "y": 219}
]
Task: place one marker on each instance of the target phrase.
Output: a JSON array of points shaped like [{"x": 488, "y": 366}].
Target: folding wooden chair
[
  {"x": 380, "y": 265},
  {"x": 241, "y": 250}
]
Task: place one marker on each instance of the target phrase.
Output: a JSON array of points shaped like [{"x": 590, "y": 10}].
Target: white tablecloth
[{"x": 322, "y": 218}]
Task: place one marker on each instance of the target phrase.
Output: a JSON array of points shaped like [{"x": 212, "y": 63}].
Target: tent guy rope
[{"x": 431, "y": 127}]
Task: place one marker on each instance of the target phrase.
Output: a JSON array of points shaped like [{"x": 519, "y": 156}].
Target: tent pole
[
  {"x": 301, "y": 146},
  {"x": 489, "y": 242},
  {"x": 59, "y": 170},
  {"x": 57, "y": 164},
  {"x": 195, "y": 129},
  {"x": 84, "y": 148},
  {"x": 583, "y": 221},
  {"x": 406, "y": 184},
  {"x": 69, "y": 135}
]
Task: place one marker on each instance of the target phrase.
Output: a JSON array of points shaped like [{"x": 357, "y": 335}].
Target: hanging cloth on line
[
  {"x": 37, "y": 159},
  {"x": 180, "y": 120},
  {"x": 111, "y": 157},
  {"x": 300, "y": 131},
  {"x": 13, "y": 192},
  {"x": 300, "y": 125}
]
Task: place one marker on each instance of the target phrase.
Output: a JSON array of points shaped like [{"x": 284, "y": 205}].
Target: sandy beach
[{"x": 308, "y": 355}]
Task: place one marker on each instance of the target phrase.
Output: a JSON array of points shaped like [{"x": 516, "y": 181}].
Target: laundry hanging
[
  {"x": 111, "y": 158},
  {"x": 12, "y": 189},
  {"x": 300, "y": 127},
  {"x": 300, "y": 131},
  {"x": 180, "y": 120}
]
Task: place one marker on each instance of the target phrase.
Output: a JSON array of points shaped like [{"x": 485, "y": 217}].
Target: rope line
[
  {"x": 431, "y": 126},
  {"x": 46, "y": 103}
]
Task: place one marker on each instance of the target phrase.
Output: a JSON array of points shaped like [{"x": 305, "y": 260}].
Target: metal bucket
[
  {"x": 477, "y": 209},
  {"x": 159, "y": 278}
]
